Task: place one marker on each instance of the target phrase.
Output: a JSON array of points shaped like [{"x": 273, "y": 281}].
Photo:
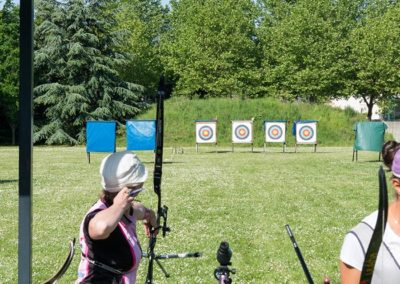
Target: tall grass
[
  {"x": 242, "y": 197},
  {"x": 335, "y": 126}
]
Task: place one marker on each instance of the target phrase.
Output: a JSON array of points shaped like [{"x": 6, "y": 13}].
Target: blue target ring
[
  {"x": 275, "y": 132},
  {"x": 242, "y": 132},
  {"x": 306, "y": 133},
  {"x": 206, "y": 133}
]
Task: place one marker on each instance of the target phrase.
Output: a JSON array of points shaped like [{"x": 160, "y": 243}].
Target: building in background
[{"x": 357, "y": 104}]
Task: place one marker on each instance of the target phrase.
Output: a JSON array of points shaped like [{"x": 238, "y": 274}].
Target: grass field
[{"x": 242, "y": 197}]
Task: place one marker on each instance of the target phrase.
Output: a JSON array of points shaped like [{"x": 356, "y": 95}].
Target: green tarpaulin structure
[{"x": 369, "y": 136}]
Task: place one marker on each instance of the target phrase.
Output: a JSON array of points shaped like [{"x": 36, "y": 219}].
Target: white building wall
[{"x": 357, "y": 104}]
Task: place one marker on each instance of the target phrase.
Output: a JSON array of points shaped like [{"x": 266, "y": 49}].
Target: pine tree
[
  {"x": 81, "y": 83},
  {"x": 9, "y": 64}
]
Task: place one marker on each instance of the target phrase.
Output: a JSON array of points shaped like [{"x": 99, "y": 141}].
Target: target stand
[
  {"x": 275, "y": 132},
  {"x": 306, "y": 133},
  {"x": 206, "y": 133},
  {"x": 242, "y": 133}
]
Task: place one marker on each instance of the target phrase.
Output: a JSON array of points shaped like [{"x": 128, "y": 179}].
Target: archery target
[
  {"x": 206, "y": 132},
  {"x": 242, "y": 131},
  {"x": 275, "y": 132},
  {"x": 306, "y": 133}
]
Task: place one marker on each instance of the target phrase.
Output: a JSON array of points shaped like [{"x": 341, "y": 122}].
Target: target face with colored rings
[
  {"x": 275, "y": 132},
  {"x": 242, "y": 132},
  {"x": 205, "y": 133},
  {"x": 306, "y": 133}
]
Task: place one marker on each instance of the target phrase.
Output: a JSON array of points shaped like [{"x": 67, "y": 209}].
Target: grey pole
[{"x": 25, "y": 143}]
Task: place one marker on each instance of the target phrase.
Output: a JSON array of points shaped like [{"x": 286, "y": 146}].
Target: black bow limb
[
  {"x": 65, "y": 266},
  {"x": 377, "y": 236},
  {"x": 162, "y": 210}
]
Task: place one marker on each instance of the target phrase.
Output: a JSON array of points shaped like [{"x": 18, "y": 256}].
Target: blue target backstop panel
[
  {"x": 100, "y": 136},
  {"x": 141, "y": 135}
]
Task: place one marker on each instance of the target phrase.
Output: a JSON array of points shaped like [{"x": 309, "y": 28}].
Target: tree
[
  {"x": 9, "y": 65},
  {"x": 145, "y": 21},
  {"x": 210, "y": 48},
  {"x": 375, "y": 57},
  {"x": 79, "y": 55},
  {"x": 304, "y": 48}
]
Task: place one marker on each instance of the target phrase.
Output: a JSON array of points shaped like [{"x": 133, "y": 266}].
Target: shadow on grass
[
  {"x": 215, "y": 152},
  {"x": 8, "y": 181},
  {"x": 368, "y": 161},
  {"x": 164, "y": 162}
]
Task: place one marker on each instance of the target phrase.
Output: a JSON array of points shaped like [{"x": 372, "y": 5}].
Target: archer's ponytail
[{"x": 389, "y": 149}]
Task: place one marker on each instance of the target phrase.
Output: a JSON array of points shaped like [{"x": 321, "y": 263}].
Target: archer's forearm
[
  {"x": 143, "y": 213},
  {"x": 101, "y": 226}
]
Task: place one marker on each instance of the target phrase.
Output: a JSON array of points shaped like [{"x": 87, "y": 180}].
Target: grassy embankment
[{"x": 335, "y": 126}]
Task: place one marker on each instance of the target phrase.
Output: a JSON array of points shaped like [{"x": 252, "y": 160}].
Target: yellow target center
[
  {"x": 242, "y": 132},
  {"x": 206, "y": 133},
  {"x": 306, "y": 132}
]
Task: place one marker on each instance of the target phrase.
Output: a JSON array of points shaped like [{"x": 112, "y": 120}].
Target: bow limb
[
  {"x": 377, "y": 235},
  {"x": 159, "y": 148},
  {"x": 65, "y": 266},
  {"x": 162, "y": 211}
]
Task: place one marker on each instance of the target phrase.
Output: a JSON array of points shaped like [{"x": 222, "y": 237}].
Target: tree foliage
[
  {"x": 88, "y": 51},
  {"x": 76, "y": 57},
  {"x": 144, "y": 21},
  {"x": 9, "y": 64},
  {"x": 375, "y": 56},
  {"x": 304, "y": 48},
  {"x": 211, "y": 49}
]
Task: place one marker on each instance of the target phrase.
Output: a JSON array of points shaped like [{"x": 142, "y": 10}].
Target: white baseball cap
[{"x": 121, "y": 169}]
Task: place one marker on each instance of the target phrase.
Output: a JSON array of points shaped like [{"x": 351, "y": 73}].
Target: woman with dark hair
[
  {"x": 111, "y": 252},
  {"x": 387, "y": 267}
]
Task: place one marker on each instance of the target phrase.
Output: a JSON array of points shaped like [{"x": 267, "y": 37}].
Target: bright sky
[
  {"x": 164, "y": 2},
  {"x": 15, "y": 1}
]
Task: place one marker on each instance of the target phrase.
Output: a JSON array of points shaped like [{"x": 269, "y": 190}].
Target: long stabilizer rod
[{"x": 299, "y": 255}]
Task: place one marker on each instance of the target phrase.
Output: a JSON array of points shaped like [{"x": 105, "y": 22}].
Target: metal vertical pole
[{"x": 25, "y": 143}]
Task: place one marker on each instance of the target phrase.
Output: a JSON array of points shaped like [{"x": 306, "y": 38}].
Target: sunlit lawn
[{"x": 242, "y": 197}]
